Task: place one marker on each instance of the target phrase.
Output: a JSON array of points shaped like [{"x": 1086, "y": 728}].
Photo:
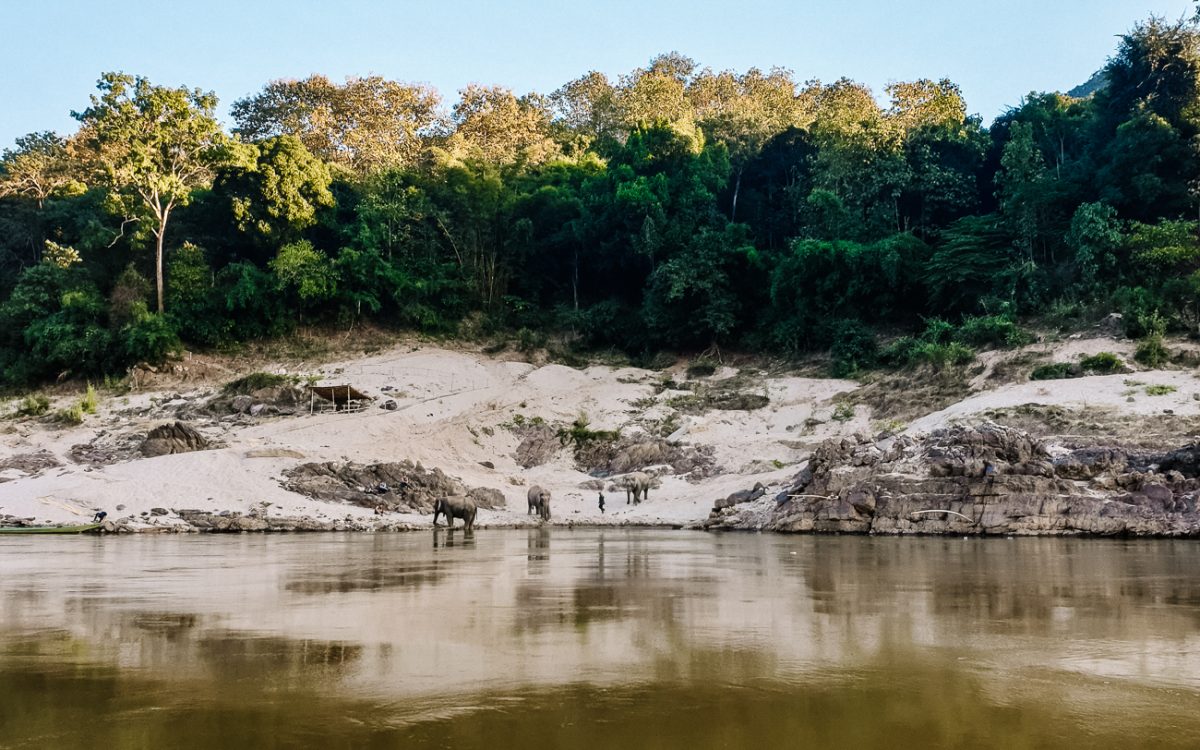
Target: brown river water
[{"x": 559, "y": 638}]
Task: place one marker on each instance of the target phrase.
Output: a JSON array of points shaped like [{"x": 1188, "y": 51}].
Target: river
[{"x": 563, "y": 638}]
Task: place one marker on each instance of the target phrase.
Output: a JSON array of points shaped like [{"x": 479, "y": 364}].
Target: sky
[{"x": 54, "y": 50}]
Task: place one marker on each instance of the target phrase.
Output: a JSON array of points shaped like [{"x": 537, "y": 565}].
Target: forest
[{"x": 674, "y": 208}]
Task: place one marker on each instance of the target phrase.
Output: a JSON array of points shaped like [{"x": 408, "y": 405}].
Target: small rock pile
[{"x": 28, "y": 464}]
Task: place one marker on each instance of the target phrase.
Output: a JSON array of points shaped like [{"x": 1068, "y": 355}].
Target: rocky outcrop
[
  {"x": 539, "y": 444},
  {"x": 605, "y": 458},
  {"x": 173, "y": 438},
  {"x": 982, "y": 480},
  {"x": 402, "y": 486}
]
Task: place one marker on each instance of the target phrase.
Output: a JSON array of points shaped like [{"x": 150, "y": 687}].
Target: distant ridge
[{"x": 1091, "y": 86}]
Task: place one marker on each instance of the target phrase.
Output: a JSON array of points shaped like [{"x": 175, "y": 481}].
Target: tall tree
[
  {"x": 657, "y": 93},
  {"x": 1148, "y": 120},
  {"x": 859, "y": 157},
  {"x": 153, "y": 146},
  {"x": 277, "y": 193},
  {"x": 743, "y": 112},
  {"x": 587, "y": 107},
  {"x": 36, "y": 168},
  {"x": 925, "y": 103},
  {"x": 1020, "y": 187},
  {"x": 1156, "y": 70},
  {"x": 495, "y": 125},
  {"x": 366, "y": 124}
]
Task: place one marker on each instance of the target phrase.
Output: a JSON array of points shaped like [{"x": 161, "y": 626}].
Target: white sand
[{"x": 450, "y": 401}]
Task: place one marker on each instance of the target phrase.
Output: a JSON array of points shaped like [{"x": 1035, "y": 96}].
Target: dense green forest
[{"x": 675, "y": 208}]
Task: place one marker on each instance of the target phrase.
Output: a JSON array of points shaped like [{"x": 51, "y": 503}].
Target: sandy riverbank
[{"x": 456, "y": 411}]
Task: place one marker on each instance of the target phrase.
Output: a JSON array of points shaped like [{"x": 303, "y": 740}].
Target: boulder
[{"x": 173, "y": 438}]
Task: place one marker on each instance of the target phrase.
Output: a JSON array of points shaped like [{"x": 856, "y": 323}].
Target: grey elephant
[
  {"x": 455, "y": 506},
  {"x": 539, "y": 500},
  {"x": 636, "y": 484}
]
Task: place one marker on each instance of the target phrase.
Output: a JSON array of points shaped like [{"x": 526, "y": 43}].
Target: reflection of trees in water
[
  {"x": 171, "y": 625},
  {"x": 230, "y": 654},
  {"x": 377, "y": 576},
  {"x": 587, "y": 601},
  {"x": 1023, "y": 586},
  {"x": 707, "y": 699},
  {"x": 625, "y": 582},
  {"x": 186, "y": 645}
]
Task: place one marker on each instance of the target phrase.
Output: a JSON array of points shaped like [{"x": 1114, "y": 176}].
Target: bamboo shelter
[{"x": 336, "y": 398}]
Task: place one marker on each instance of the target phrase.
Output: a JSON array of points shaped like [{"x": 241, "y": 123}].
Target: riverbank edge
[{"x": 312, "y": 526}]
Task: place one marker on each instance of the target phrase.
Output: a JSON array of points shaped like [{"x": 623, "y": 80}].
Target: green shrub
[
  {"x": 1151, "y": 351},
  {"x": 90, "y": 400},
  {"x": 33, "y": 405},
  {"x": 900, "y": 353},
  {"x": 529, "y": 340},
  {"x": 1160, "y": 390},
  {"x": 1139, "y": 310},
  {"x": 72, "y": 415},
  {"x": 853, "y": 348},
  {"x": 990, "y": 330},
  {"x": 1055, "y": 371},
  {"x": 255, "y": 381},
  {"x": 701, "y": 369},
  {"x": 937, "y": 331},
  {"x": 149, "y": 338},
  {"x": 940, "y": 356},
  {"x": 580, "y": 433},
  {"x": 1104, "y": 362},
  {"x": 843, "y": 412}
]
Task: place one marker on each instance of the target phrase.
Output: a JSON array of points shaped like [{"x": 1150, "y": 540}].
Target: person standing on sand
[{"x": 601, "y": 502}]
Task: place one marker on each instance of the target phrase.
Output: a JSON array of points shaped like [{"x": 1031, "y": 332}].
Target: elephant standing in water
[
  {"x": 635, "y": 484},
  {"x": 539, "y": 500},
  {"x": 455, "y": 506}
]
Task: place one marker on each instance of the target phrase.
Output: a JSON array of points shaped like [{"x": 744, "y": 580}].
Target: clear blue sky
[{"x": 54, "y": 50}]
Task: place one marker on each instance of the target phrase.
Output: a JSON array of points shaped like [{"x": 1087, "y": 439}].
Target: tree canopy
[{"x": 674, "y": 206}]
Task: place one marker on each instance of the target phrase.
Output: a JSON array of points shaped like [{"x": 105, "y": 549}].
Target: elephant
[
  {"x": 635, "y": 484},
  {"x": 455, "y": 506},
  {"x": 539, "y": 500}
]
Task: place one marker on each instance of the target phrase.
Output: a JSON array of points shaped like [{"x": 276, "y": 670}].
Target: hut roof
[{"x": 338, "y": 394}]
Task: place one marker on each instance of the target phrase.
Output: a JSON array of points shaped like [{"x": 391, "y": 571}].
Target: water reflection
[
  {"x": 450, "y": 538},
  {"x": 598, "y": 639}
]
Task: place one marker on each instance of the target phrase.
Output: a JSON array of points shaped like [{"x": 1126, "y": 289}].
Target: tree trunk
[
  {"x": 159, "y": 236},
  {"x": 737, "y": 186}
]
